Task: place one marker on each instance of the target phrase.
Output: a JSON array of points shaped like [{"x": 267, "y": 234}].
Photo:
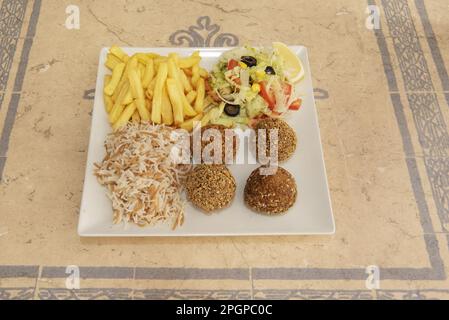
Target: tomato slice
[
  {"x": 270, "y": 99},
  {"x": 295, "y": 105},
  {"x": 232, "y": 64}
]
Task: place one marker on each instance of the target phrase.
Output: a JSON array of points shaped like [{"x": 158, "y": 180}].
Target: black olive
[
  {"x": 249, "y": 61},
  {"x": 270, "y": 70},
  {"x": 232, "y": 110}
]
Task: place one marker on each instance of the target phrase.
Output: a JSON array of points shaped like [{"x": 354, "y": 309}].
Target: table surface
[{"x": 382, "y": 94}]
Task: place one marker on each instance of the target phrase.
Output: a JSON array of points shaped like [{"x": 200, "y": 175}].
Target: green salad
[{"x": 250, "y": 84}]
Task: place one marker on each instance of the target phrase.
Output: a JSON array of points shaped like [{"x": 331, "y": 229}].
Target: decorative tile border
[
  {"x": 429, "y": 121},
  {"x": 203, "y": 34},
  {"x": 175, "y": 294},
  {"x": 350, "y": 294},
  {"x": 12, "y": 13},
  {"x": 433, "y": 45},
  {"x": 16, "y": 293},
  {"x": 150, "y": 294},
  {"x": 18, "y": 83}
]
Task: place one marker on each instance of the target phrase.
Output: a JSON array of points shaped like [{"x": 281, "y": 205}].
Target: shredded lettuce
[{"x": 235, "y": 85}]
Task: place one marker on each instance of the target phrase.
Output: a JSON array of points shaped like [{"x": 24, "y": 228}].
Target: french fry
[
  {"x": 174, "y": 74},
  {"x": 118, "y": 90},
  {"x": 125, "y": 116},
  {"x": 191, "y": 96},
  {"x": 112, "y": 61},
  {"x": 201, "y": 91},
  {"x": 141, "y": 71},
  {"x": 175, "y": 58},
  {"x": 185, "y": 82},
  {"x": 185, "y": 63},
  {"x": 209, "y": 116},
  {"x": 107, "y": 79},
  {"x": 203, "y": 73},
  {"x": 187, "y": 108},
  {"x": 158, "y": 61},
  {"x": 136, "y": 117},
  {"x": 162, "y": 89},
  {"x": 118, "y": 105},
  {"x": 149, "y": 95},
  {"x": 119, "y": 53},
  {"x": 143, "y": 58},
  {"x": 123, "y": 79},
  {"x": 108, "y": 102},
  {"x": 116, "y": 113},
  {"x": 175, "y": 99},
  {"x": 156, "y": 108},
  {"x": 115, "y": 79},
  {"x": 128, "y": 98},
  {"x": 138, "y": 94},
  {"x": 133, "y": 62},
  {"x": 195, "y": 75},
  {"x": 150, "y": 89},
  {"x": 152, "y": 55},
  {"x": 188, "y": 125},
  {"x": 188, "y": 72},
  {"x": 167, "y": 109},
  {"x": 148, "y": 104},
  {"x": 149, "y": 74}
]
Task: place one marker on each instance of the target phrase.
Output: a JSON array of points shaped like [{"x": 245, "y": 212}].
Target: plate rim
[{"x": 84, "y": 232}]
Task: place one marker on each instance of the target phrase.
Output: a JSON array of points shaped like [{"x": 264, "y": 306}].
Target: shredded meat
[{"x": 143, "y": 182}]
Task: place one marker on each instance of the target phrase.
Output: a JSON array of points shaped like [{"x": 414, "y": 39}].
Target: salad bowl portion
[{"x": 255, "y": 83}]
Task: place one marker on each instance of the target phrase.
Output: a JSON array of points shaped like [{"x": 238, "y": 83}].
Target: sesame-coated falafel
[
  {"x": 270, "y": 194},
  {"x": 210, "y": 187},
  {"x": 287, "y": 140}
]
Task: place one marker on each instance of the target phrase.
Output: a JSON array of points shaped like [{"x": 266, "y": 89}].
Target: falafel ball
[
  {"x": 210, "y": 187},
  {"x": 287, "y": 140},
  {"x": 210, "y": 156},
  {"x": 270, "y": 194}
]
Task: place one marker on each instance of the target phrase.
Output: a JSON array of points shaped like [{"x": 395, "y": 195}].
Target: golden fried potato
[
  {"x": 167, "y": 109},
  {"x": 115, "y": 79},
  {"x": 156, "y": 108},
  {"x": 201, "y": 92},
  {"x": 185, "y": 82},
  {"x": 175, "y": 99},
  {"x": 138, "y": 94},
  {"x": 189, "y": 124},
  {"x": 174, "y": 74},
  {"x": 149, "y": 74},
  {"x": 125, "y": 116},
  {"x": 191, "y": 96},
  {"x": 119, "y": 53}
]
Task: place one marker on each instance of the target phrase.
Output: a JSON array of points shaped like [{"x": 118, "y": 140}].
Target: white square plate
[{"x": 312, "y": 213}]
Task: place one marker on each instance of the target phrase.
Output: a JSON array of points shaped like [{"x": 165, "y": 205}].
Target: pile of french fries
[{"x": 167, "y": 90}]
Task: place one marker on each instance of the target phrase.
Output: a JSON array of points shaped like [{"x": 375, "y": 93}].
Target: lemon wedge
[{"x": 294, "y": 69}]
